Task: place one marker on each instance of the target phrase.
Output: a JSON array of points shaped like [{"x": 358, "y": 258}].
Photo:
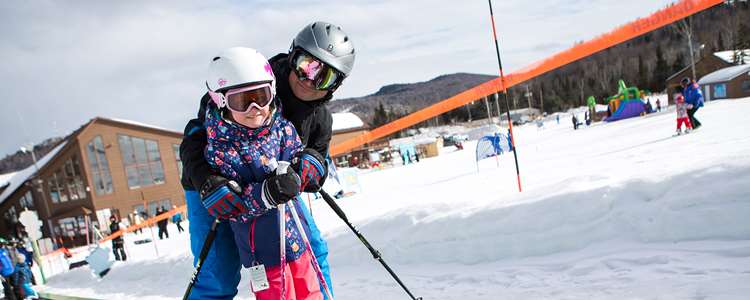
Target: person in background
[
  {"x": 658, "y": 105},
  {"x": 137, "y": 220},
  {"x": 22, "y": 280},
  {"x": 7, "y": 269},
  {"x": 177, "y": 219},
  {"x": 29, "y": 257},
  {"x": 118, "y": 243},
  {"x": 162, "y": 224}
]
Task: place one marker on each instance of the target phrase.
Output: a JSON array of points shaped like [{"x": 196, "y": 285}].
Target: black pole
[
  {"x": 505, "y": 91},
  {"x": 204, "y": 252},
  {"x": 375, "y": 254}
]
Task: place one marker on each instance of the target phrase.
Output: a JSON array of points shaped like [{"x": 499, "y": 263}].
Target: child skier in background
[
  {"x": 247, "y": 137},
  {"x": 682, "y": 115},
  {"x": 22, "y": 279}
]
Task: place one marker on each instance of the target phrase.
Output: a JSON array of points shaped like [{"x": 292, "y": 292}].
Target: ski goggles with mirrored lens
[{"x": 307, "y": 67}]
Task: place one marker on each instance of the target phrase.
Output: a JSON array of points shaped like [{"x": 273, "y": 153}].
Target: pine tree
[
  {"x": 642, "y": 73},
  {"x": 661, "y": 72},
  {"x": 380, "y": 116}
]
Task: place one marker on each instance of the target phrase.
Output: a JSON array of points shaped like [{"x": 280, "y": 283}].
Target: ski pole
[
  {"x": 316, "y": 266},
  {"x": 375, "y": 254},
  {"x": 202, "y": 257},
  {"x": 281, "y": 168}
]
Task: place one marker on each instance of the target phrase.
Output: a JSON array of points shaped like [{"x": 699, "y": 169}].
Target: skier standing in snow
[
  {"x": 177, "y": 219},
  {"x": 247, "y": 137},
  {"x": 118, "y": 243},
  {"x": 682, "y": 114},
  {"x": 162, "y": 224},
  {"x": 694, "y": 98},
  {"x": 22, "y": 280},
  {"x": 7, "y": 269},
  {"x": 137, "y": 220},
  {"x": 303, "y": 92}
]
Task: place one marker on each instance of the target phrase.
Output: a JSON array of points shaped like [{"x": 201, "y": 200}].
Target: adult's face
[{"x": 304, "y": 89}]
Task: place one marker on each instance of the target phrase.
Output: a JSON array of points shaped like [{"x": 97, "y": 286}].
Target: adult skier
[
  {"x": 694, "y": 98},
  {"x": 320, "y": 57}
]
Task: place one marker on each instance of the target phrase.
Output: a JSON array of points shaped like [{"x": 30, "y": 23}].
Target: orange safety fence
[
  {"x": 146, "y": 223},
  {"x": 663, "y": 17}
]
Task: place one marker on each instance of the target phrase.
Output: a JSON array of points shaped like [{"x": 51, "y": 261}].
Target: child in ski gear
[
  {"x": 304, "y": 97},
  {"x": 247, "y": 136},
  {"x": 22, "y": 279},
  {"x": 682, "y": 115}
]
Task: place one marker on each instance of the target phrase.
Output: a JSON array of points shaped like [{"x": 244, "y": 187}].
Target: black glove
[
  {"x": 221, "y": 197},
  {"x": 280, "y": 188},
  {"x": 311, "y": 168}
]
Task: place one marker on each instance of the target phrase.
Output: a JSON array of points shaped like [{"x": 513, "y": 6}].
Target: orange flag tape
[{"x": 663, "y": 17}]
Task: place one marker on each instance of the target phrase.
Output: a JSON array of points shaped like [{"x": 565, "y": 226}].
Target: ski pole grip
[{"x": 333, "y": 205}]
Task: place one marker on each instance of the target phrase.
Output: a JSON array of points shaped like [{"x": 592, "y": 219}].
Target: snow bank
[{"x": 613, "y": 211}]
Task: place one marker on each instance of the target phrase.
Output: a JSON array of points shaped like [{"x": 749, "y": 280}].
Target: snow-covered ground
[{"x": 611, "y": 211}]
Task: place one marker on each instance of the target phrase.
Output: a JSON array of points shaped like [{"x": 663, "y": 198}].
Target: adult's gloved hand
[
  {"x": 221, "y": 197},
  {"x": 311, "y": 168},
  {"x": 280, "y": 188}
]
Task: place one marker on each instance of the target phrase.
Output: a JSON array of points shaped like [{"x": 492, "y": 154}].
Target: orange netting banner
[
  {"x": 146, "y": 223},
  {"x": 663, "y": 17}
]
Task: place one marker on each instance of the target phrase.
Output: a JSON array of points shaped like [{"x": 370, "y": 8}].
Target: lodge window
[
  {"x": 70, "y": 227},
  {"x": 176, "y": 149},
  {"x": 141, "y": 160},
  {"x": 66, "y": 183},
  {"x": 720, "y": 90},
  {"x": 99, "y": 166},
  {"x": 27, "y": 201},
  {"x": 10, "y": 215},
  {"x": 153, "y": 205},
  {"x": 746, "y": 85}
]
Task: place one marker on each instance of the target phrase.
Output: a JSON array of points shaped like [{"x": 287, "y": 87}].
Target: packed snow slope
[{"x": 612, "y": 211}]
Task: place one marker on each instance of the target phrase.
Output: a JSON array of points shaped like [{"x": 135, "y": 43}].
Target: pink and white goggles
[{"x": 243, "y": 99}]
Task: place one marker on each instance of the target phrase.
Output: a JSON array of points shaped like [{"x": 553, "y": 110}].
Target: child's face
[{"x": 253, "y": 118}]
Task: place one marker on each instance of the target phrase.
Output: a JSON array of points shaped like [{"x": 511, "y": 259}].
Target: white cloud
[{"x": 66, "y": 62}]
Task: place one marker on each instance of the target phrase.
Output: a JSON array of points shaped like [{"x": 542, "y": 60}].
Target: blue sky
[{"x": 65, "y": 62}]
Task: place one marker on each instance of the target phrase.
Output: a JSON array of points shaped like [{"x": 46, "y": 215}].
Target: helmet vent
[
  {"x": 313, "y": 25},
  {"x": 216, "y": 58}
]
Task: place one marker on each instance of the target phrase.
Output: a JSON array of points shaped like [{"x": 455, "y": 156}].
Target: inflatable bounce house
[{"x": 626, "y": 104}]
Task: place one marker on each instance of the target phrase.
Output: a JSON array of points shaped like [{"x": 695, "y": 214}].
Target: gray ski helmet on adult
[{"x": 328, "y": 43}]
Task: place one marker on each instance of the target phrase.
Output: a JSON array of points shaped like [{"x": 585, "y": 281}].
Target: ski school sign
[{"x": 663, "y": 17}]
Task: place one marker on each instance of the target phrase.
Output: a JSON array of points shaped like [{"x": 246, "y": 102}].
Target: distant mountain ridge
[{"x": 409, "y": 97}]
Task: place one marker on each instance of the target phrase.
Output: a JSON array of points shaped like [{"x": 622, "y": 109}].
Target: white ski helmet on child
[{"x": 236, "y": 67}]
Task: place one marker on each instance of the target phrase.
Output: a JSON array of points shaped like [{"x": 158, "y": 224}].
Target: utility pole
[
  {"x": 528, "y": 95},
  {"x": 468, "y": 109},
  {"x": 36, "y": 181},
  {"x": 489, "y": 112},
  {"x": 541, "y": 97},
  {"x": 497, "y": 103}
]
